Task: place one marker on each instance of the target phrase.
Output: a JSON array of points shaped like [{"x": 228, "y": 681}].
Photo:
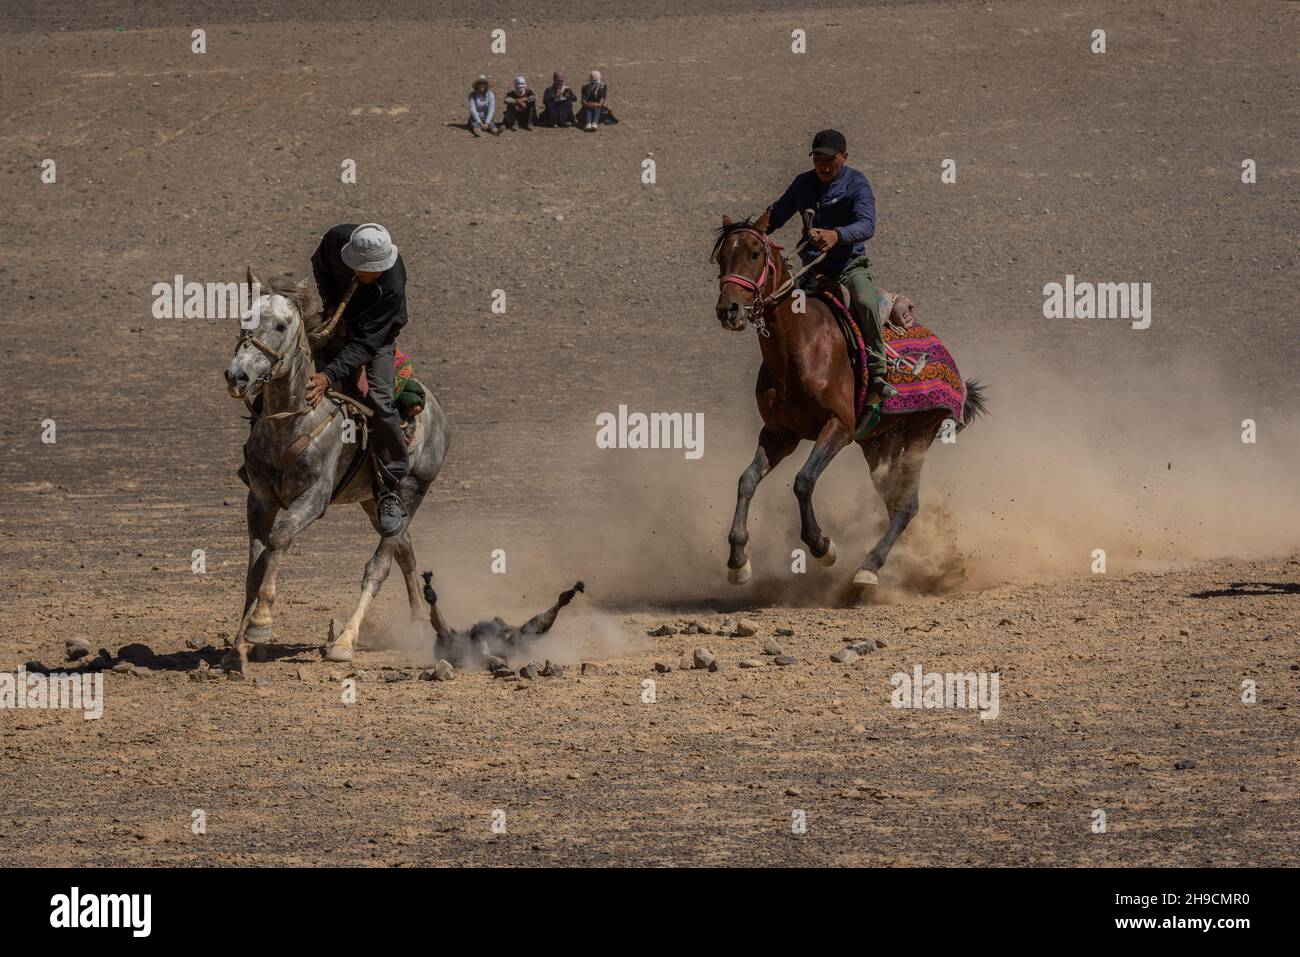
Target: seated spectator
[
  {"x": 594, "y": 104},
  {"x": 482, "y": 106},
  {"x": 557, "y": 103},
  {"x": 521, "y": 106}
]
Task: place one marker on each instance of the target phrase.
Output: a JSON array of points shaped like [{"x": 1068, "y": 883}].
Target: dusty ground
[{"x": 1117, "y": 167}]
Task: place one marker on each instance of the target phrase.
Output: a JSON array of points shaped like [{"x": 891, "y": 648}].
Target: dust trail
[{"x": 1153, "y": 475}]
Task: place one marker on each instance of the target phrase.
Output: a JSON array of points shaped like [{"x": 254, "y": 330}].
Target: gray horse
[{"x": 295, "y": 458}]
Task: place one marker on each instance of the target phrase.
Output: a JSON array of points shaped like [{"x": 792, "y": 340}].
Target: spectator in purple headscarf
[{"x": 557, "y": 103}]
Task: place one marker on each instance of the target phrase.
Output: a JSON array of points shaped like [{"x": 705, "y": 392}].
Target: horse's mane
[{"x": 300, "y": 294}]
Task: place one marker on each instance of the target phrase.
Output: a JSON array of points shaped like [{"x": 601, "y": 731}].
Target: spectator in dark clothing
[
  {"x": 376, "y": 312},
  {"x": 557, "y": 102},
  {"x": 594, "y": 95},
  {"x": 521, "y": 106}
]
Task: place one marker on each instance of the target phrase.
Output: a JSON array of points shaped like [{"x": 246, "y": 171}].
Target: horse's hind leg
[
  {"x": 405, "y": 555},
  {"x": 904, "y": 452},
  {"x": 376, "y": 571},
  {"x": 772, "y": 448},
  {"x": 834, "y": 436}
]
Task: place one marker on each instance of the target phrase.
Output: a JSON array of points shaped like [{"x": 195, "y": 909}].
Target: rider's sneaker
[{"x": 392, "y": 514}]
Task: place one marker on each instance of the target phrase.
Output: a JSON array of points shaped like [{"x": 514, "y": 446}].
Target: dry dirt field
[{"x": 1119, "y": 691}]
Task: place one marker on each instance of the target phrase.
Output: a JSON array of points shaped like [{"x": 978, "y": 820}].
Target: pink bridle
[{"x": 770, "y": 252}]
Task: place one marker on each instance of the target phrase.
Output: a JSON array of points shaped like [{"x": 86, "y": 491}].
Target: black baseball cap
[{"x": 829, "y": 142}]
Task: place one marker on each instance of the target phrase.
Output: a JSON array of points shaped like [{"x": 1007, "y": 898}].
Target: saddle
[{"x": 897, "y": 314}]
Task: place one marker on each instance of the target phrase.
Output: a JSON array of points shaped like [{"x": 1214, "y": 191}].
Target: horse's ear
[
  {"x": 761, "y": 223},
  {"x": 250, "y": 278},
  {"x": 728, "y": 221}
]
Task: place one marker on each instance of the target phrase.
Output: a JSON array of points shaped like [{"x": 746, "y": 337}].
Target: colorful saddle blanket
[{"x": 918, "y": 365}]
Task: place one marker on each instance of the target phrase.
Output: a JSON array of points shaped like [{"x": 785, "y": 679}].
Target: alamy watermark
[
  {"x": 83, "y": 691},
  {"x": 179, "y": 299},
  {"x": 1098, "y": 300},
  {"x": 651, "y": 430},
  {"x": 976, "y": 690}
]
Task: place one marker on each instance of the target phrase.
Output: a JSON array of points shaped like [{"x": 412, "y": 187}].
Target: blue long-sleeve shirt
[
  {"x": 482, "y": 105},
  {"x": 846, "y": 204}
]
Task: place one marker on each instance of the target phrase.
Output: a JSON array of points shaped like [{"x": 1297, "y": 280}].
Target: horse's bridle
[
  {"x": 247, "y": 338},
  {"x": 754, "y": 311}
]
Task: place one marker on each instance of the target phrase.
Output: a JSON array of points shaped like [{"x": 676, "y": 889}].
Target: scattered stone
[
  {"x": 392, "y": 676},
  {"x": 864, "y": 647},
  {"x": 663, "y": 631},
  {"x": 357, "y": 675},
  {"x": 76, "y": 648},
  {"x": 261, "y": 681},
  {"x": 844, "y": 656},
  {"x": 880, "y": 643},
  {"x": 531, "y": 671},
  {"x": 1184, "y": 765},
  {"x": 785, "y": 632},
  {"x": 703, "y": 630},
  {"x": 195, "y": 644},
  {"x": 552, "y": 670},
  {"x": 701, "y": 658},
  {"x": 685, "y": 664},
  {"x": 793, "y": 792},
  {"x": 443, "y": 671},
  {"x": 505, "y": 674},
  {"x": 728, "y": 627},
  {"x": 691, "y": 630},
  {"x": 859, "y": 729},
  {"x": 1184, "y": 632},
  {"x": 302, "y": 674},
  {"x": 746, "y": 628},
  {"x": 1005, "y": 622},
  {"x": 770, "y": 647},
  {"x": 751, "y": 663},
  {"x": 574, "y": 776},
  {"x": 662, "y": 668},
  {"x": 590, "y": 668},
  {"x": 716, "y": 665},
  {"x": 123, "y": 668},
  {"x": 493, "y": 663},
  {"x": 786, "y": 660}
]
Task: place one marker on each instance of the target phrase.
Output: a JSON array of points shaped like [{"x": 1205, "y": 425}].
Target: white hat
[{"x": 369, "y": 249}]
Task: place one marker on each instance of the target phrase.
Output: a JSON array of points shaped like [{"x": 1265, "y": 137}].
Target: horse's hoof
[
  {"x": 827, "y": 560},
  {"x": 337, "y": 652},
  {"x": 258, "y": 633},
  {"x": 864, "y": 576},
  {"x": 738, "y": 576}
]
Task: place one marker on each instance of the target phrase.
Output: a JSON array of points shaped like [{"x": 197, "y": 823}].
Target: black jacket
[{"x": 376, "y": 312}]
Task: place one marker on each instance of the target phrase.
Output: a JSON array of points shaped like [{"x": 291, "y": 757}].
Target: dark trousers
[
  {"x": 386, "y": 439},
  {"x": 515, "y": 118}
]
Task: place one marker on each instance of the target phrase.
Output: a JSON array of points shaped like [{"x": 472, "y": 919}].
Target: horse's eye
[
  {"x": 753, "y": 255},
  {"x": 280, "y": 327}
]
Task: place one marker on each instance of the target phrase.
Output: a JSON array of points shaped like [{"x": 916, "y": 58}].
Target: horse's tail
[{"x": 976, "y": 403}]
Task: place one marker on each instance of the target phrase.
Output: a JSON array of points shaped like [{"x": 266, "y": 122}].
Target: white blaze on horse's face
[{"x": 272, "y": 319}]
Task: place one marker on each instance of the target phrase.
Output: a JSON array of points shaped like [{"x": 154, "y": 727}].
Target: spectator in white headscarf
[
  {"x": 521, "y": 106},
  {"x": 594, "y": 95}
]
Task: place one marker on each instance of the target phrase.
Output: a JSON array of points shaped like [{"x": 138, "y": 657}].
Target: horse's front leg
[
  {"x": 261, "y": 516},
  {"x": 834, "y": 436},
  {"x": 772, "y": 448},
  {"x": 285, "y": 527}
]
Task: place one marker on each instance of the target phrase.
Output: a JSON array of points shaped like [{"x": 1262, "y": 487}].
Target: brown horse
[{"x": 805, "y": 390}]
